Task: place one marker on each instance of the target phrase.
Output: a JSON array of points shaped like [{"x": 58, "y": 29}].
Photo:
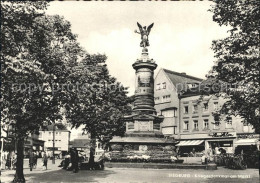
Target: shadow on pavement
[{"x": 69, "y": 176}]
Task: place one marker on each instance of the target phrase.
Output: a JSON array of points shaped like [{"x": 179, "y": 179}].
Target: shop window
[
  {"x": 205, "y": 106},
  {"x": 196, "y": 125},
  {"x": 195, "y": 108},
  {"x": 215, "y": 105},
  {"x": 186, "y": 109},
  {"x": 206, "y": 124},
  {"x": 164, "y": 85},
  {"x": 229, "y": 122},
  {"x": 186, "y": 125}
]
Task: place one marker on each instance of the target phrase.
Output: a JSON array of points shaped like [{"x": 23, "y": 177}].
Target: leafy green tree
[
  {"x": 37, "y": 54},
  {"x": 237, "y": 57},
  {"x": 100, "y": 102}
]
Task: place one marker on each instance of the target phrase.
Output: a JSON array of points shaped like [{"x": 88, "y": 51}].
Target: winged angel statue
[{"x": 144, "y": 34}]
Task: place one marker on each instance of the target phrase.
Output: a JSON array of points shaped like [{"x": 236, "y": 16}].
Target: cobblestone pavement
[{"x": 134, "y": 175}]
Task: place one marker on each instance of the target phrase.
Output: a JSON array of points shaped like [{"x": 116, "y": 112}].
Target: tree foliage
[
  {"x": 238, "y": 57},
  {"x": 37, "y": 54},
  {"x": 99, "y": 102}
]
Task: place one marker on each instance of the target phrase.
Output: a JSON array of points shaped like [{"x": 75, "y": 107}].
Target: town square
[{"x": 130, "y": 91}]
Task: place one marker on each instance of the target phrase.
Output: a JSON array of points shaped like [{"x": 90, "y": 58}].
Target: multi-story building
[
  {"x": 167, "y": 86},
  {"x": 61, "y": 137},
  {"x": 189, "y": 115},
  {"x": 200, "y": 129}
]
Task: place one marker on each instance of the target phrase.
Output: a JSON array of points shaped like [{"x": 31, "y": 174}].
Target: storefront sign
[
  {"x": 221, "y": 134},
  {"x": 248, "y": 136}
]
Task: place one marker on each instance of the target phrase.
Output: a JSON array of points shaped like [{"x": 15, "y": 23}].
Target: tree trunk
[
  {"x": 92, "y": 151},
  {"x": 19, "y": 176}
]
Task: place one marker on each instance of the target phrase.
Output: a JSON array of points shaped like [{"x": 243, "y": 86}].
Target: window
[
  {"x": 215, "y": 105},
  {"x": 166, "y": 98},
  {"x": 196, "y": 125},
  {"x": 158, "y": 86},
  {"x": 205, "y": 106},
  {"x": 229, "y": 122},
  {"x": 164, "y": 85},
  {"x": 186, "y": 125},
  {"x": 49, "y": 133},
  {"x": 186, "y": 109},
  {"x": 206, "y": 124},
  {"x": 169, "y": 113},
  {"x": 40, "y": 135},
  {"x": 195, "y": 108}
]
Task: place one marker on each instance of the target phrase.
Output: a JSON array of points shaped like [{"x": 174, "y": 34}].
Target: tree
[
  {"x": 100, "y": 103},
  {"x": 37, "y": 53},
  {"x": 238, "y": 57}
]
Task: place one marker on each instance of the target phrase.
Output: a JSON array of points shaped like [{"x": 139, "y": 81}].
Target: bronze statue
[{"x": 144, "y": 34}]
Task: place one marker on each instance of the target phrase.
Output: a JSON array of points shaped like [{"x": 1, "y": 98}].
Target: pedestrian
[
  {"x": 66, "y": 161},
  {"x": 209, "y": 155},
  {"x": 91, "y": 158},
  {"x": 31, "y": 159},
  {"x": 44, "y": 160},
  {"x": 74, "y": 160},
  {"x": 35, "y": 157},
  {"x": 8, "y": 161}
]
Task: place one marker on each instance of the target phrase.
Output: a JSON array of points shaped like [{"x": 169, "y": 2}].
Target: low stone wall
[
  {"x": 159, "y": 166},
  {"x": 191, "y": 160}
]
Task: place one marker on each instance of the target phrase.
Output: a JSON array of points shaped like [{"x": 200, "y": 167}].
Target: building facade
[
  {"x": 189, "y": 116},
  {"x": 199, "y": 129},
  {"x": 167, "y": 86},
  {"x": 61, "y": 137}
]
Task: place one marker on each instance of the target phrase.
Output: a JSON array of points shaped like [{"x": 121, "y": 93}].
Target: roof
[
  {"x": 81, "y": 143},
  {"x": 118, "y": 139},
  {"x": 181, "y": 79},
  {"x": 206, "y": 87}
]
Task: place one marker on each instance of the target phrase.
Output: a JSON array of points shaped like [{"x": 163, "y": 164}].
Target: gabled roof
[
  {"x": 180, "y": 80},
  {"x": 177, "y": 77}
]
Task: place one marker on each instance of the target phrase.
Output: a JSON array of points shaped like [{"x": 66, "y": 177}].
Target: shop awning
[
  {"x": 190, "y": 143},
  {"x": 246, "y": 142}
]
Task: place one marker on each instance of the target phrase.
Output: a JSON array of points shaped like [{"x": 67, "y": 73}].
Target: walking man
[{"x": 44, "y": 160}]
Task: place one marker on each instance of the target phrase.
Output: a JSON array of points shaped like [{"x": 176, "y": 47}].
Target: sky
[{"x": 180, "y": 39}]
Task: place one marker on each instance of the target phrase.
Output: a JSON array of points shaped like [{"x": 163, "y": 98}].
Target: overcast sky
[{"x": 180, "y": 39}]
